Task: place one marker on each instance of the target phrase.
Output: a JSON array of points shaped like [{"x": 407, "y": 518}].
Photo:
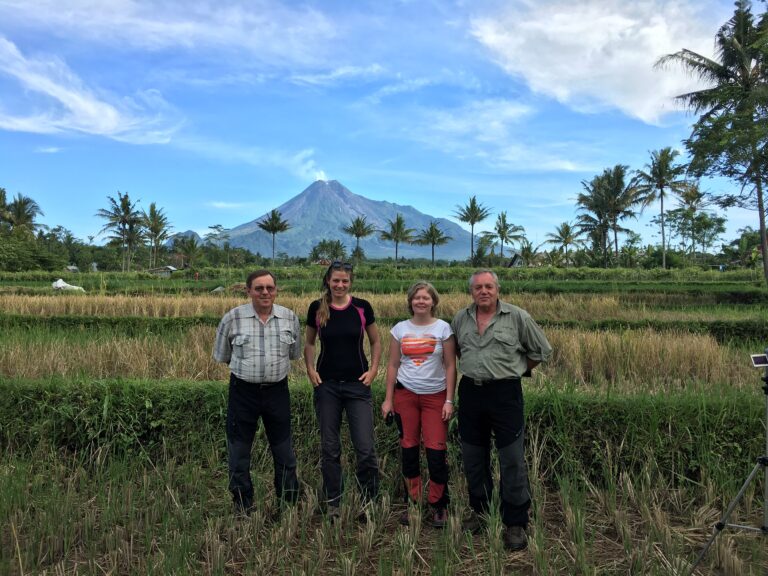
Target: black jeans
[
  {"x": 331, "y": 399},
  {"x": 247, "y": 403},
  {"x": 494, "y": 409}
]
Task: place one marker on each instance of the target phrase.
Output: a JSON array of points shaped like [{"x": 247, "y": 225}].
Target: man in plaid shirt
[{"x": 258, "y": 340}]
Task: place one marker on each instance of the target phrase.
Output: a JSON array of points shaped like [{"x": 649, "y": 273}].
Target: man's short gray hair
[{"x": 483, "y": 271}]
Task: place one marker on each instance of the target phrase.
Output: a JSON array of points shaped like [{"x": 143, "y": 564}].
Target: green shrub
[{"x": 686, "y": 434}]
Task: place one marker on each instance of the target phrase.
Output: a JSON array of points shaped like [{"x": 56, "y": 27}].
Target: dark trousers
[
  {"x": 247, "y": 403},
  {"x": 494, "y": 409},
  {"x": 332, "y": 398}
]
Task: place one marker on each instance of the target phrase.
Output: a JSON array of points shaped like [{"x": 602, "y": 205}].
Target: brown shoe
[
  {"x": 472, "y": 523},
  {"x": 515, "y": 538}
]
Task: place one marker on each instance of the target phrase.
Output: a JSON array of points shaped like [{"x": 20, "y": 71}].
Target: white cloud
[
  {"x": 401, "y": 87},
  {"x": 48, "y": 150},
  {"x": 301, "y": 164},
  {"x": 267, "y": 31},
  {"x": 341, "y": 74},
  {"x": 483, "y": 121},
  {"x": 70, "y": 106},
  {"x": 490, "y": 131},
  {"x": 600, "y": 54}
]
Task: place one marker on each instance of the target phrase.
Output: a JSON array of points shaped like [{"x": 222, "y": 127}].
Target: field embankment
[{"x": 640, "y": 430}]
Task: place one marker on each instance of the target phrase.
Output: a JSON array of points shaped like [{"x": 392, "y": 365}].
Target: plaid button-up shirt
[{"x": 258, "y": 351}]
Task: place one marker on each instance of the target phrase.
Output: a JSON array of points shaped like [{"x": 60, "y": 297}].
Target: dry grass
[
  {"x": 540, "y": 306},
  {"x": 63, "y": 516},
  {"x": 630, "y": 361},
  {"x": 645, "y": 360}
]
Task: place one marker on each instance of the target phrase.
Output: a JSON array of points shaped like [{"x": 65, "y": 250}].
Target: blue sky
[{"x": 220, "y": 111}]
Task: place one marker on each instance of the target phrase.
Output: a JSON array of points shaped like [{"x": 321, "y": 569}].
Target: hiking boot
[
  {"x": 334, "y": 514},
  {"x": 362, "y": 517},
  {"x": 514, "y": 538},
  {"x": 472, "y": 523},
  {"x": 404, "y": 519},
  {"x": 242, "y": 510},
  {"x": 440, "y": 518}
]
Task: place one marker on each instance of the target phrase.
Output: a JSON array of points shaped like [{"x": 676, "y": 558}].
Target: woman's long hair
[{"x": 324, "y": 310}]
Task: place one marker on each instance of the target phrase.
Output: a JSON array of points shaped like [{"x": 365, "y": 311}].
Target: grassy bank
[{"x": 129, "y": 477}]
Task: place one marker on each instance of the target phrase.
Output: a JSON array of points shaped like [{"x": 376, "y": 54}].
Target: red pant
[{"x": 420, "y": 416}]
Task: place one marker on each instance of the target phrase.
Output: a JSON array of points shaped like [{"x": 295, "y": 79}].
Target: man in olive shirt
[
  {"x": 498, "y": 344},
  {"x": 258, "y": 340}
]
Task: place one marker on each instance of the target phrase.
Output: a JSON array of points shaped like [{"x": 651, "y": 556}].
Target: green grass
[
  {"x": 640, "y": 431},
  {"x": 160, "y": 506}
]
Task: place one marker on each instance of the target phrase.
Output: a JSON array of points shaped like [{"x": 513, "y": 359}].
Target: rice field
[
  {"x": 551, "y": 307},
  {"x": 100, "y": 512},
  {"x": 626, "y": 362}
]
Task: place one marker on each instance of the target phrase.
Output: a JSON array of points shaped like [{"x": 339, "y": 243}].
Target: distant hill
[
  {"x": 321, "y": 211},
  {"x": 186, "y": 234}
]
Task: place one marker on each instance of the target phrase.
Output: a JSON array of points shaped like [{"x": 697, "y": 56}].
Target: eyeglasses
[
  {"x": 269, "y": 289},
  {"x": 339, "y": 265}
]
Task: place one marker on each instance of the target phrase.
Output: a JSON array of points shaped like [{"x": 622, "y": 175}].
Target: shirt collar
[{"x": 501, "y": 308}]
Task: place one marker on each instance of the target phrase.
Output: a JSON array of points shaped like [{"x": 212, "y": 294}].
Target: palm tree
[
  {"x": 486, "y": 248},
  {"x": 554, "y": 258},
  {"x": 620, "y": 197},
  {"x": 5, "y": 215},
  {"x": 134, "y": 238},
  {"x": 328, "y": 250},
  {"x": 565, "y": 235},
  {"x": 124, "y": 222},
  {"x": 506, "y": 232},
  {"x": 158, "y": 230},
  {"x": 594, "y": 217},
  {"x": 189, "y": 249},
  {"x": 397, "y": 233},
  {"x": 610, "y": 199},
  {"x": 528, "y": 251},
  {"x": 273, "y": 224},
  {"x": 471, "y": 214},
  {"x": 692, "y": 220},
  {"x": 22, "y": 212},
  {"x": 219, "y": 234},
  {"x": 661, "y": 174},
  {"x": 432, "y": 236},
  {"x": 359, "y": 228},
  {"x": 730, "y": 138}
]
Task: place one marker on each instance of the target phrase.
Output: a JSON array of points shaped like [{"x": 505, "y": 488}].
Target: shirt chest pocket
[
  {"x": 507, "y": 340},
  {"x": 285, "y": 341},
  {"x": 243, "y": 346},
  {"x": 287, "y": 338}
]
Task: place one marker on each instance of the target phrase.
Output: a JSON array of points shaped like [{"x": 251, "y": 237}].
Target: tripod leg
[{"x": 724, "y": 520}]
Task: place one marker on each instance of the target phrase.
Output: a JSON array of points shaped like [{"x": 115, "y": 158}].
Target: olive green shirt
[{"x": 502, "y": 351}]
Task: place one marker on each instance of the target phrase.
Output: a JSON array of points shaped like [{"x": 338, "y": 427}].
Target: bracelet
[{"x": 449, "y": 401}]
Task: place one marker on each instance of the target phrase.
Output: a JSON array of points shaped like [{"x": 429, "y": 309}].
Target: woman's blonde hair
[{"x": 430, "y": 290}]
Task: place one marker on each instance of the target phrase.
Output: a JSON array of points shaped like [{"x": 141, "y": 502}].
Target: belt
[
  {"x": 261, "y": 384},
  {"x": 489, "y": 382}
]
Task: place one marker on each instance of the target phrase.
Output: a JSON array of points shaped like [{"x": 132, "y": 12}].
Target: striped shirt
[{"x": 258, "y": 351}]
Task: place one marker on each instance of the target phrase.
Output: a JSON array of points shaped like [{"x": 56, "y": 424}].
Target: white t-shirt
[{"x": 421, "y": 355}]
